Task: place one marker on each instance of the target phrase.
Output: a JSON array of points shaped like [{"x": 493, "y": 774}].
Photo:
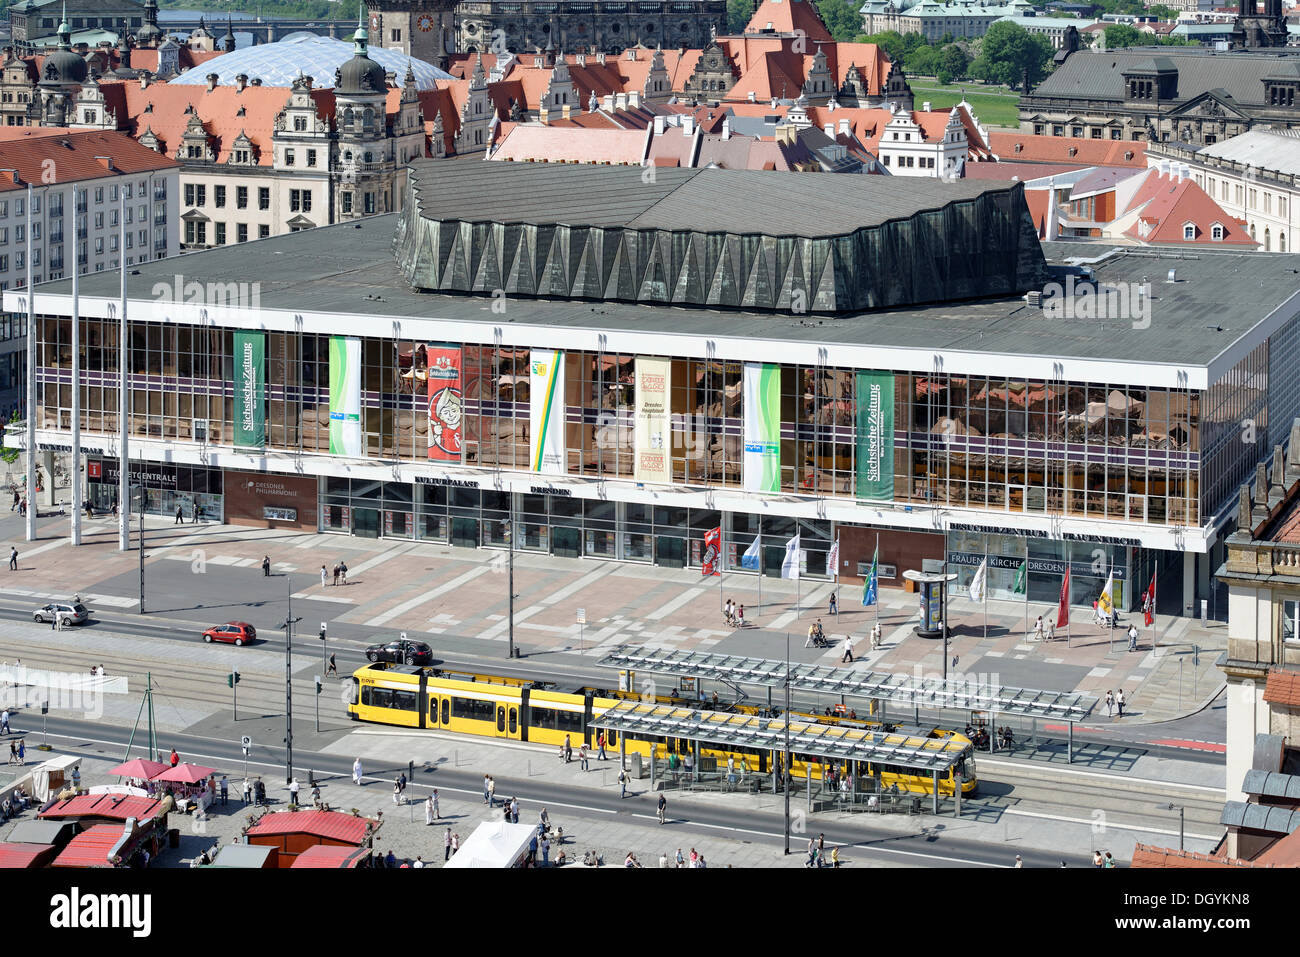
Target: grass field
[{"x": 994, "y": 105}]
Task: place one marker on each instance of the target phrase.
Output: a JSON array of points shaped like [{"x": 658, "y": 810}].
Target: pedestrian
[
  {"x": 175, "y": 758},
  {"x": 663, "y": 806},
  {"x": 333, "y": 668},
  {"x": 514, "y": 810},
  {"x": 622, "y": 782},
  {"x": 248, "y": 793},
  {"x": 680, "y": 860},
  {"x": 196, "y": 513},
  {"x": 695, "y": 858},
  {"x": 812, "y": 854},
  {"x": 486, "y": 790},
  {"x": 356, "y": 772},
  {"x": 1051, "y": 630},
  {"x": 343, "y": 568},
  {"x": 492, "y": 792},
  {"x": 22, "y": 751},
  {"x": 293, "y": 792},
  {"x": 428, "y": 811},
  {"x": 848, "y": 650},
  {"x": 1096, "y": 859},
  {"x": 225, "y": 791},
  {"x": 740, "y": 617},
  {"x": 13, "y": 752},
  {"x": 532, "y": 851},
  {"x": 600, "y": 743},
  {"x": 4, "y": 721},
  {"x": 336, "y": 574},
  {"x": 17, "y": 499},
  {"x": 419, "y": 861},
  {"x": 324, "y": 577},
  {"x": 401, "y": 782},
  {"x": 729, "y": 610},
  {"x": 397, "y": 791},
  {"x": 1119, "y": 701},
  {"x": 835, "y": 857},
  {"x": 437, "y": 811},
  {"x": 875, "y": 635},
  {"x": 1019, "y": 862},
  {"x": 22, "y": 509},
  {"x": 821, "y": 850},
  {"x": 568, "y": 750},
  {"x": 1038, "y": 628},
  {"x": 833, "y": 608},
  {"x": 582, "y": 756},
  {"x": 546, "y": 852},
  {"x": 1132, "y": 637},
  {"x": 266, "y": 566},
  {"x": 1108, "y": 861},
  {"x": 180, "y": 516},
  {"x": 446, "y": 845},
  {"x": 13, "y": 559},
  {"x": 1110, "y": 704}
]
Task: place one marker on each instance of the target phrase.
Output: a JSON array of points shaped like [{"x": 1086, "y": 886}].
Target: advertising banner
[
  {"x": 762, "y": 412},
  {"x": 712, "y": 552},
  {"x": 250, "y": 389},
  {"x": 446, "y": 403},
  {"x": 345, "y": 395},
  {"x": 651, "y": 432},
  {"x": 875, "y": 439},
  {"x": 546, "y": 411}
]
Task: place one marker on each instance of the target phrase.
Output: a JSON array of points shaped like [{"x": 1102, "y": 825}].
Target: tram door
[
  {"x": 507, "y": 721},
  {"x": 438, "y": 711}
]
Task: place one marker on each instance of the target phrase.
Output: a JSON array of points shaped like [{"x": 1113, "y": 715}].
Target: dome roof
[
  {"x": 63, "y": 66},
  {"x": 360, "y": 74},
  {"x": 277, "y": 64}
]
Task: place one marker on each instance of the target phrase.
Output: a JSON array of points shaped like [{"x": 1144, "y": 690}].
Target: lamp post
[
  {"x": 288, "y": 624},
  {"x": 1182, "y": 820},
  {"x": 31, "y": 368},
  {"x": 510, "y": 541},
  {"x": 123, "y": 399}
]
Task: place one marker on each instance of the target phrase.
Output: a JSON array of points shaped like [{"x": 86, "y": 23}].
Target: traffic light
[
  {"x": 318, "y": 684},
  {"x": 322, "y": 631},
  {"x": 232, "y": 679}
]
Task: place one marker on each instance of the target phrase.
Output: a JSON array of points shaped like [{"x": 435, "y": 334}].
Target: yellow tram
[{"x": 495, "y": 706}]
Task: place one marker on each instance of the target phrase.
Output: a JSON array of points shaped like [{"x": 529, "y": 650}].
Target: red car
[{"x": 238, "y": 632}]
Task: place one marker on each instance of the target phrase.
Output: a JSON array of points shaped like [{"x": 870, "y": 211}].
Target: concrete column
[
  {"x": 1189, "y": 584},
  {"x": 47, "y": 463},
  {"x": 1204, "y": 564}
]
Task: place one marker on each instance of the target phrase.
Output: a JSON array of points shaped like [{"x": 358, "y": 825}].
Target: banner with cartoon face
[{"x": 446, "y": 403}]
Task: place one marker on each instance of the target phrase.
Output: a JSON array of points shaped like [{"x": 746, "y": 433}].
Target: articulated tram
[{"x": 494, "y": 706}]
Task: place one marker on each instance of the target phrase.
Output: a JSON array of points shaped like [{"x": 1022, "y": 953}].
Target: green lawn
[{"x": 994, "y": 105}]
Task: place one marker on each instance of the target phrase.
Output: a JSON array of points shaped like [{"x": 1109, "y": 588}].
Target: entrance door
[
  {"x": 670, "y": 551},
  {"x": 365, "y": 522},
  {"x": 464, "y": 532},
  {"x": 566, "y": 542}
]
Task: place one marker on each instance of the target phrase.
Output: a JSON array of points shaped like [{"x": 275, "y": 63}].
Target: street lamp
[
  {"x": 1182, "y": 813},
  {"x": 287, "y": 625}
]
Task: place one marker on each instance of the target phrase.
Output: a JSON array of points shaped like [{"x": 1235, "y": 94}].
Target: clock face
[{"x": 425, "y": 23}]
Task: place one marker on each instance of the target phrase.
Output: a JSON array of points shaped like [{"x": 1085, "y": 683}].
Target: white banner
[
  {"x": 546, "y": 411},
  {"x": 651, "y": 433}
]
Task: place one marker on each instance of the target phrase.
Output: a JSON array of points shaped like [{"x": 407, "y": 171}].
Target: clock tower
[{"x": 422, "y": 29}]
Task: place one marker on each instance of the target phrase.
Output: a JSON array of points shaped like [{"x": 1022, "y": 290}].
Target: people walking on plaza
[
  {"x": 13, "y": 559},
  {"x": 17, "y": 499},
  {"x": 294, "y": 787},
  {"x": 835, "y": 857},
  {"x": 546, "y": 852},
  {"x": 1110, "y": 704},
  {"x": 1019, "y": 862},
  {"x": 437, "y": 811},
  {"x": 1096, "y": 859},
  {"x": 175, "y": 758},
  {"x": 492, "y": 792},
  {"x": 225, "y": 790},
  {"x": 514, "y": 810},
  {"x": 1132, "y": 637},
  {"x": 266, "y": 566},
  {"x": 180, "y": 516},
  {"x": 428, "y": 811},
  {"x": 337, "y": 570},
  {"x": 324, "y": 577},
  {"x": 582, "y": 756},
  {"x": 247, "y": 792},
  {"x": 848, "y": 650},
  {"x": 1038, "y": 629},
  {"x": 397, "y": 791},
  {"x": 875, "y": 635},
  {"x": 740, "y": 616},
  {"x": 4, "y": 721},
  {"x": 1108, "y": 861},
  {"x": 680, "y": 860},
  {"x": 455, "y": 843},
  {"x": 600, "y": 743},
  {"x": 1119, "y": 701},
  {"x": 486, "y": 790},
  {"x": 729, "y": 611},
  {"x": 13, "y": 752},
  {"x": 356, "y": 772},
  {"x": 1051, "y": 630},
  {"x": 343, "y": 570},
  {"x": 663, "y": 806},
  {"x": 446, "y": 845},
  {"x": 333, "y": 668},
  {"x": 812, "y": 854},
  {"x": 833, "y": 608},
  {"x": 22, "y": 507},
  {"x": 568, "y": 750},
  {"x": 622, "y": 782}
]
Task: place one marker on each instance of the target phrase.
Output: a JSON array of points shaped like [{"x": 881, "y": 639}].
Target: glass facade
[{"x": 1045, "y": 561}]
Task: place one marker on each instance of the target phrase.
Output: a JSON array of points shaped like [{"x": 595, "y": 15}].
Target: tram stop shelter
[
  {"x": 901, "y": 689},
  {"x": 831, "y": 743}
]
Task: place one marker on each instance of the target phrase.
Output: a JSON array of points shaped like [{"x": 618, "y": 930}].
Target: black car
[{"x": 403, "y": 652}]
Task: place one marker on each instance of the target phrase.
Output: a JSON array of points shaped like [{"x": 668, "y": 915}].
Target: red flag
[
  {"x": 1149, "y": 602},
  {"x": 712, "y": 551},
  {"x": 1063, "y": 608}
]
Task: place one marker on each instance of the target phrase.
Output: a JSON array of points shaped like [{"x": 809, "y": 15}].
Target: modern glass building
[{"x": 303, "y": 381}]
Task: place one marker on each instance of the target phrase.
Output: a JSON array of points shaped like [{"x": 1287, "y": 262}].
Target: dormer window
[
  {"x": 241, "y": 157},
  {"x": 300, "y": 124},
  {"x": 1216, "y": 232},
  {"x": 1281, "y": 94},
  {"x": 1189, "y": 232}
]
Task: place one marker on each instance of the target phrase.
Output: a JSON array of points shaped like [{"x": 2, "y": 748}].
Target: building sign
[
  {"x": 268, "y": 501},
  {"x": 1046, "y": 566},
  {"x": 345, "y": 395},
  {"x": 546, "y": 413},
  {"x": 651, "y": 432},
  {"x": 875, "y": 441},
  {"x": 150, "y": 475},
  {"x": 762, "y": 414},
  {"x": 551, "y": 490},
  {"x": 55, "y": 447},
  {"x": 444, "y": 481},
  {"x": 274, "y": 514},
  {"x": 446, "y": 403},
  {"x": 250, "y": 389},
  {"x": 1041, "y": 533}
]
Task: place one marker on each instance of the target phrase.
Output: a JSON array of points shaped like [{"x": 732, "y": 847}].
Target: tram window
[
  {"x": 612, "y": 738},
  {"x": 541, "y": 717},
  {"x": 569, "y": 721},
  {"x": 514, "y": 720},
  {"x": 377, "y": 697},
  {"x": 445, "y": 703},
  {"x": 433, "y": 710},
  {"x": 404, "y": 701},
  {"x": 472, "y": 708}
]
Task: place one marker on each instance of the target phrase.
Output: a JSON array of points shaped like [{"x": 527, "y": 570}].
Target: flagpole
[
  {"x": 1110, "y": 594},
  {"x": 876, "y": 571},
  {"x": 986, "y": 586},
  {"x": 1026, "y": 582},
  {"x": 837, "y": 578},
  {"x": 722, "y": 545}
]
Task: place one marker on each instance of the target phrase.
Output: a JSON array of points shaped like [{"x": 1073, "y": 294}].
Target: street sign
[{"x": 582, "y": 616}]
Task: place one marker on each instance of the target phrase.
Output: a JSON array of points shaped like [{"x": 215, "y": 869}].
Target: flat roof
[{"x": 348, "y": 270}]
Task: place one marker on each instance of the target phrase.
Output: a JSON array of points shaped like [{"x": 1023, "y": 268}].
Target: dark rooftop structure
[{"x": 744, "y": 239}]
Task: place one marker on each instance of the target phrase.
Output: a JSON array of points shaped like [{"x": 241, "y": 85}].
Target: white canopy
[{"x": 494, "y": 844}]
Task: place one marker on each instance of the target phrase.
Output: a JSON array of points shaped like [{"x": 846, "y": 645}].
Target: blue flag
[
  {"x": 750, "y": 558},
  {"x": 869, "y": 588}
]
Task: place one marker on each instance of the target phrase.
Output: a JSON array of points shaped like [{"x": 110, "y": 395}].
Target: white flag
[
  {"x": 790, "y": 564},
  {"x": 833, "y": 559},
  {"x": 979, "y": 584},
  {"x": 750, "y": 558}
]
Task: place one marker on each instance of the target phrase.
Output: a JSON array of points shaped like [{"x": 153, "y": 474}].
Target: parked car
[
  {"x": 235, "y": 632},
  {"x": 69, "y": 612},
  {"x": 403, "y": 652}
]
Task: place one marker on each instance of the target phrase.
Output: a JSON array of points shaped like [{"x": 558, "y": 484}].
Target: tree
[
  {"x": 841, "y": 18},
  {"x": 10, "y": 456},
  {"x": 1119, "y": 35},
  {"x": 738, "y": 14},
  {"x": 891, "y": 41},
  {"x": 953, "y": 61},
  {"x": 1009, "y": 54},
  {"x": 1163, "y": 12},
  {"x": 923, "y": 61}
]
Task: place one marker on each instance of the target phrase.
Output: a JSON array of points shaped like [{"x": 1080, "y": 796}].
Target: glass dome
[{"x": 277, "y": 64}]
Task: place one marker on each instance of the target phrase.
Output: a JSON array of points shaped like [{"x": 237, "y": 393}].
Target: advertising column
[
  {"x": 250, "y": 389},
  {"x": 446, "y": 403},
  {"x": 875, "y": 438},
  {"x": 762, "y": 413},
  {"x": 651, "y": 433},
  {"x": 345, "y": 395},
  {"x": 546, "y": 412}
]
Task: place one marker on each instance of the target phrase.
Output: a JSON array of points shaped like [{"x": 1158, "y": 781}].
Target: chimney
[
  {"x": 600, "y": 58},
  {"x": 144, "y": 80},
  {"x": 580, "y": 59},
  {"x": 543, "y": 115},
  {"x": 688, "y": 126},
  {"x": 925, "y": 107},
  {"x": 845, "y": 129},
  {"x": 1164, "y": 168},
  {"x": 631, "y": 54},
  {"x": 255, "y": 81},
  {"x": 538, "y": 62},
  {"x": 829, "y": 130},
  {"x": 752, "y": 97},
  {"x": 241, "y": 81},
  {"x": 212, "y": 82},
  {"x": 620, "y": 101},
  {"x": 564, "y": 111},
  {"x": 1184, "y": 171},
  {"x": 607, "y": 101},
  {"x": 785, "y": 133},
  {"x": 726, "y": 129},
  {"x": 634, "y": 99}
]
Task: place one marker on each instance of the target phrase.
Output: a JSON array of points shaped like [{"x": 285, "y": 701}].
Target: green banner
[
  {"x": 345, "y": 396},
  {"x": 875, "y": 440},
  {"x": 761, "y": 464},
  {"x": 250, "y": 389}
]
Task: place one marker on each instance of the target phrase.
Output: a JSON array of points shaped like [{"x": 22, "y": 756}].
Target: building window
[
  {"x": 241, "y": 197},
  {"x": 300, "y": 200},
  {"x": 1058, "y": 130},
  {"x": 99, "y": 194},
  {"x": 219, "y": 196},
  {"x": 1115, "y": 134},
  {"x": 196, "y": 233},
  {"x": 288, "y": 157},
  {"x": 311, "y": 157},
  {"x": 300, "y": 124},
  {"x": 347, "y": 202},
  {"x": 263, "y": 197},
  {"x": 1189, "y": 232},
  {"x": 263, "y": 231},
  {"x": 1096, "y": 132},
  {"x": 221, "y": 234},
  {"x": 241, "y": 232},
  {"x": 370, "y": 203},
  {"x": 1291, "y": 621},
  {"x": 1216, "y": 232}
]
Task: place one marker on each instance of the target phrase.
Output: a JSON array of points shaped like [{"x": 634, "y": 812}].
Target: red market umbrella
[
  {"x": 185, "y": 774},
  {"x": 141, "y": 768}
]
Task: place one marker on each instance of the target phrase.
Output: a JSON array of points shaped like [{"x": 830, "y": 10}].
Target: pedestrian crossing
[{"x": 92, "y": 601}]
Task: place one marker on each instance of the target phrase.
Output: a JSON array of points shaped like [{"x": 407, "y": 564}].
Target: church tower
[{"x": 422, "y": 29}]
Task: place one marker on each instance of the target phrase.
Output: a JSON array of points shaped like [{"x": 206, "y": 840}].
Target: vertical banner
[
  {"x": 345, "y": 395},
  {"x": 651, "y": 430},
  {"x": 712, "y": 552},
  {"x": 762, "y": 413},
  {"x": 875, "y": 436},
  {"x": 250, "y": 389},
  {"x": 546, "y": 411},
  {"x": 446, "y": 403}
]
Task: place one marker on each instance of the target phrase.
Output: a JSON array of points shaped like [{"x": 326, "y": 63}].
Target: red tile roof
[
  {"x": 30, "y": 150},
  {"x": 1030, "y": 148},
  {"x": 91, "y": 847},
  {"x": 116, "y": 807},
  {"x": 1166, "y": 205},
  {"x": 1283, "y": 687},
  {"x": 789, "y": 16},
  {"x": 331, "y": 856},
  {"x": 329, "y": 824},
  {"x": 572, "y": 144},
  {"x": 1282, "y": 853},
  {"x": 1147, "y": 856},
  {"x": 25, "y": 855},
  {"x": 1014, "y": 171},
  {"x": 1037, "y": 200}
]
